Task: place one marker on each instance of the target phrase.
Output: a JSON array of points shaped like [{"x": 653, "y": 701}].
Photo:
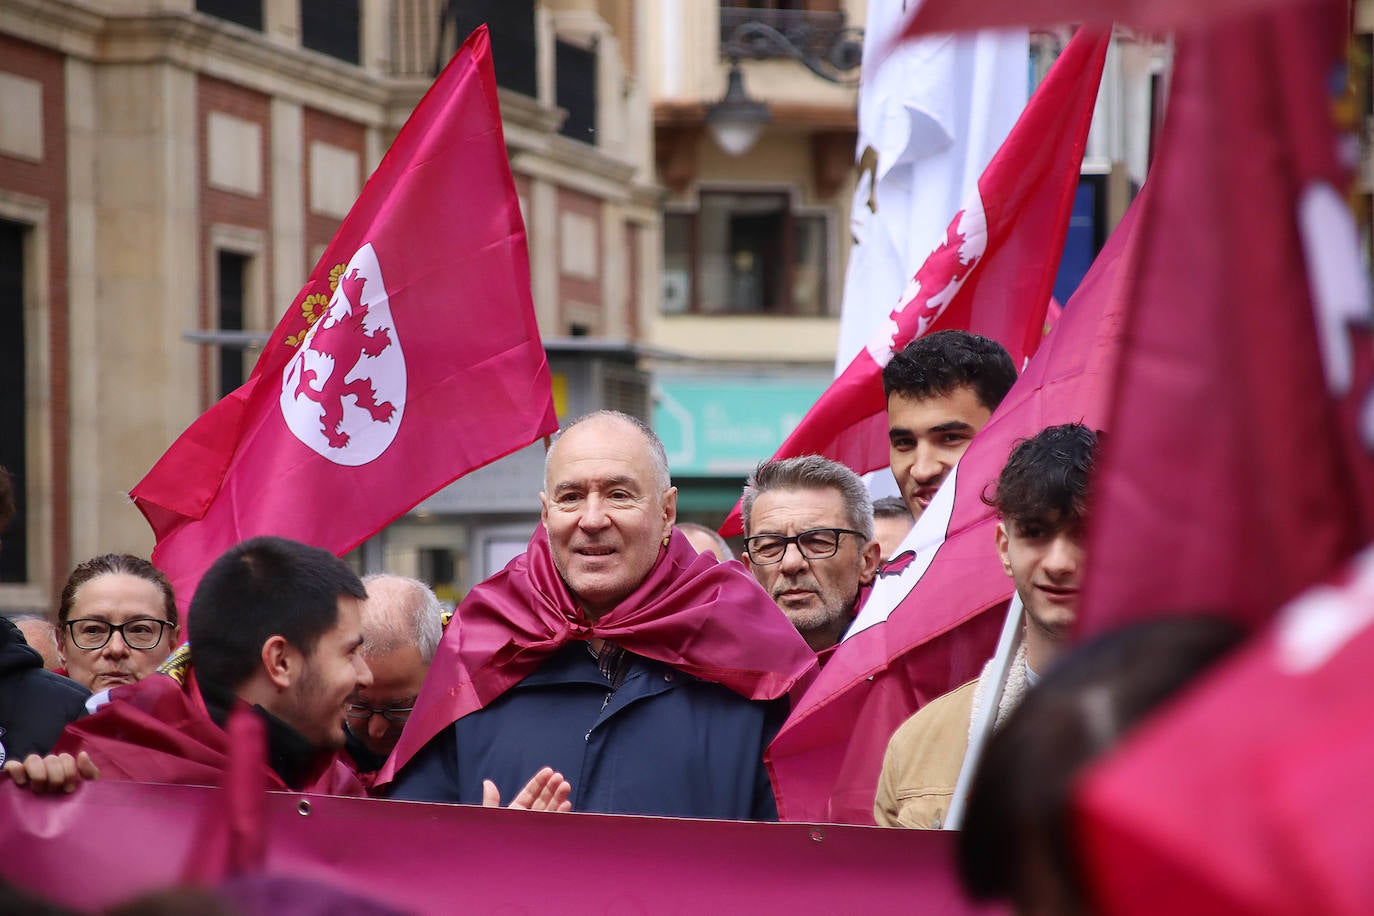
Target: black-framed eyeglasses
[
  {"x": 816, "y": 544},
  {"x": 397, "y": 714},
  {"x": 92, "y": 633}
]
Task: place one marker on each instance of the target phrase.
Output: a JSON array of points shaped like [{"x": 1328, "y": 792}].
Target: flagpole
[{"x": 985, "y": 716}]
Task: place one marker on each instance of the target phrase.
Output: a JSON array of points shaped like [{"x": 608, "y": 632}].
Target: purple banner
[{"x": 113, "y": 840}]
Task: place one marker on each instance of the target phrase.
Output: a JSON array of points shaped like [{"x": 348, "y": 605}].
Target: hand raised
[{"x": 547, "y": 791}]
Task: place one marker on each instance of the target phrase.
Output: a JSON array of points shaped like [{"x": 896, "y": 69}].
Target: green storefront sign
[{"x": 724, "y": 427}]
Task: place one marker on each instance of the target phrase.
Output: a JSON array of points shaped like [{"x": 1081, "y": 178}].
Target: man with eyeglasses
[
  {"x": 402, "y": 623},
  {"x": 808, "y": 525}
]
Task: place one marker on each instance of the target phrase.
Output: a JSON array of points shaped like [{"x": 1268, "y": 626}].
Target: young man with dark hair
[
  {"x": 1040, "y": 498},
  {"x": 275, "y": 626},
  {"x": 277, "y": 633},
  {"x": 940, "y": 390},
  {"x": 278, "y": 624}
]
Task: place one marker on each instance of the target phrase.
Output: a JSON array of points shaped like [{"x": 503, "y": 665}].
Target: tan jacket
[{"x": 923, "y": 760}]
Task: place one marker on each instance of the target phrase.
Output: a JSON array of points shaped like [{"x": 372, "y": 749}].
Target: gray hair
[
  {"x": 891, "y": 507},
  {"x": 658, "y": 456},
  {"x": 723, "y": 551},
  {"x": 407, "y": 613},
  {"x": 811, "y": 472}
]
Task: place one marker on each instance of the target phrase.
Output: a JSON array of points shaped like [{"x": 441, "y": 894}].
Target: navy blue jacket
[
  {"x": 35, "y": 705},
  {"x": 663, "y": 743}
]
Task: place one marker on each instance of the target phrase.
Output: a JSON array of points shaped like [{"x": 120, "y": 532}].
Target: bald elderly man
[
  {"x": 651, "y": 676},
  {"x": 402, "y": 621}
]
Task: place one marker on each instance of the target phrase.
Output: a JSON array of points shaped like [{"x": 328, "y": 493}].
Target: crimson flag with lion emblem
[
  {"x": 993, "y": 273},
  {"x": 410, "y": 357}
]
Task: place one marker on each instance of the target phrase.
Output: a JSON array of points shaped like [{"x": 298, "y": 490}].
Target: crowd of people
[{"x": 623, "y": 664}]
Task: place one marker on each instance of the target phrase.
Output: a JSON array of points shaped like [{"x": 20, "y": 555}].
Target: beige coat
[{"x": 923, "y": 760}]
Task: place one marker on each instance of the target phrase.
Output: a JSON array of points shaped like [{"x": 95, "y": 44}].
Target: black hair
[
  {"x": 1018, "y": 841},
  {"x": 1046, "y": 476},
  {"x": 937, "y": 364},
  {"x": 263, "y": 587}
]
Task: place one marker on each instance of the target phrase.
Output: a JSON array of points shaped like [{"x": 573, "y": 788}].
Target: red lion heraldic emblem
[
  {"x": 936, "y": 283},
  {"x": 343, "y": 394},
  {"x": 346, "y": 341}
]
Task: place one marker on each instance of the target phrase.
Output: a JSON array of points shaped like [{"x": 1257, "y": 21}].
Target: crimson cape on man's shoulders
[
  {"x": 708, "y": 619},
  {"x": 159, "y": 730}
]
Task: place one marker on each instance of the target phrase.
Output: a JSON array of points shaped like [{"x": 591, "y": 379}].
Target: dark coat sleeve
[
  {"x": 35, "y": 705},
  {"x": 432, "y": 775}
]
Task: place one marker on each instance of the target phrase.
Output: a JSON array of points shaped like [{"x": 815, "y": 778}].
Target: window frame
[
  {"x": 830, "y": 288},
  {"x": 250, "y": 244},
  {"x": 34, "y": 215}
]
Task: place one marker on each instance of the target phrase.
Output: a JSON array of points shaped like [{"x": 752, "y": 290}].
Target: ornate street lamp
[{"x": 737, "y": 119}]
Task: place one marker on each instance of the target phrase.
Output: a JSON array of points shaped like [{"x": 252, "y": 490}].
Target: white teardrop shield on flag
[
  {"x": 343, "y": 393},
  {"x": 912, "y": 558}
]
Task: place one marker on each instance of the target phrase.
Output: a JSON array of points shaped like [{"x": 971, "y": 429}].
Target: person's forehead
[
  {"x": 959, "y": 404},
  {"x": 117, "y": 597},
  {"x": 395, "y": 674},
  {"x": 810, "y": 507},
  {"x": 604, "y": 449},
  {"x": 404, "y": 657},
  {"x": 1051, "y": 523}
]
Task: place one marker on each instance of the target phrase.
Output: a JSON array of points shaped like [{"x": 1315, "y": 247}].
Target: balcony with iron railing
[{"x": 812, "y": 32}]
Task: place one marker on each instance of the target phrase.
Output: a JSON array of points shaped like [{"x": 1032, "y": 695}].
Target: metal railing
[
  {"x": 821, "y": 41},
  {"x": 812, "y": 32}
]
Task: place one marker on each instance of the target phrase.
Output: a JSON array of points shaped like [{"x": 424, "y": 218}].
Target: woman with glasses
[{"x": 117, "y": 621}]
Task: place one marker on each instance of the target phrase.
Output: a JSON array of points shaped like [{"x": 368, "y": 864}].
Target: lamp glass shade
[{"x": 737, "y": 120}]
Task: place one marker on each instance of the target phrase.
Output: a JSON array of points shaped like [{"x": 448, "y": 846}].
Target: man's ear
[
  {"x": 669, "y": 510},
  {"x": 280, "y": 661},
  {"x": 871, "y": 557},
  {"x": 1003, "y": 547},
  {"x": 544, "y": 510}
]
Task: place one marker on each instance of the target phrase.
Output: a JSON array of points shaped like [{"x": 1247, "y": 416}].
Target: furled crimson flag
[
  {"x": 1244, "y": 796},
  {"x": 410, "y": 357},
  {"x": 932, "y": 625},
  {"x": 994, "y": 272},
  {"x": 1235, "y": 476},
  {"x": 1247, "y": 794}
]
